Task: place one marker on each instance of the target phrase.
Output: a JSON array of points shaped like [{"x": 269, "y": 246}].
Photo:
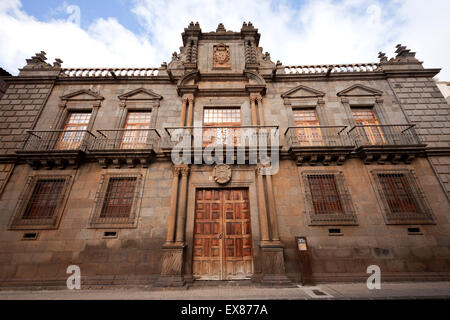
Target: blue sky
[{"x": 142, "y": 33}]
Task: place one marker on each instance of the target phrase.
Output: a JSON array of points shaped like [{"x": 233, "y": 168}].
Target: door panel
[{"x": 222, "y": 235}]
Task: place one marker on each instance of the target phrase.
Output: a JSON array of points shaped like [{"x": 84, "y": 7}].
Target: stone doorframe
[{"x": 190, "y": 218}]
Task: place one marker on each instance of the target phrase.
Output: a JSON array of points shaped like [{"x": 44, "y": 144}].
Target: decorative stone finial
[
  {"x": 220, "y": 28},
  {"x": 402, "y": 51},
  {"x": 382, "y": 57},
  {"x": 57, "y": 63}
]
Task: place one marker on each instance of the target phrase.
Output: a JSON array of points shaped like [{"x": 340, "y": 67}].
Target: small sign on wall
[{"x": 301, "y": 243}]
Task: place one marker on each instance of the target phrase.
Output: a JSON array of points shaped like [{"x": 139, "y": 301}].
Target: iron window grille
[
  {"x": 327, "y": 199},
  {"x": 42, "y": 202},
  {"x": 117, "y": 201},
  {"x": 401, "y": 197}
]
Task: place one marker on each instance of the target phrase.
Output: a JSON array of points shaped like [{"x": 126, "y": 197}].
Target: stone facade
[{"x": 224, "y": 69}]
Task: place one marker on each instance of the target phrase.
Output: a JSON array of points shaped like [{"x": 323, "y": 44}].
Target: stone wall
[
  {"x": 19, "y": 109},
  {"x": 425, "y": 106}
]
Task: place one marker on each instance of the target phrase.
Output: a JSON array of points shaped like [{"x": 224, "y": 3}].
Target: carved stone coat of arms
[
  {"x": 222, "y": 173},
  {"x": 221, "y": 57}
]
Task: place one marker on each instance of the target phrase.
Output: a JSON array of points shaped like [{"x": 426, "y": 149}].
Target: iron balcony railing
[
  {"x": 125, "y": 139},
  {"x": 246, "y": 136},
  {"x": 379, "y": 135},
  {"x": 57, "y": 140},
  {"x": 317, "y": 136}
]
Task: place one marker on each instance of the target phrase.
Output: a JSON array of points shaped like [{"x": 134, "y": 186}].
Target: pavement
[{"x": 391, "y": 290}]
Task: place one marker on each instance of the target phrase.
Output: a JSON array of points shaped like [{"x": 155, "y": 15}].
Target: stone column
[
  {"x": 181, "y": 217},
  {"x": 253, "y": 108},
  {"x": 190, "y": 117},
  {"x": 272, "y": 210},
  {"x": 173, "y": 206},
  {"x": 183, "y": 112},
  {"x": 173, "y": 251},
  {"x": 260, "y": 111},
  {"x": 263, "y": 221}
]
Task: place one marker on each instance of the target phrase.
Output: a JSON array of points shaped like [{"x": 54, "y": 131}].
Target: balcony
[
  {"x": 55, "y": 147},
  {"x": 395, "y": 143},
  {"x": 129, "y": 146},
  {"x": 318, "y": 144},
  {"x": 225, "y": 139}
]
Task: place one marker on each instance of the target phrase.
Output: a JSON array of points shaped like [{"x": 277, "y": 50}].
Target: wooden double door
[{"x": 222, "y": 235}]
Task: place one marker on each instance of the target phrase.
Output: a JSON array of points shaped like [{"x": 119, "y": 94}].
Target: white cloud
[
  {"x": 315, "y": 32},
  {"x": 105, "y": 43}
]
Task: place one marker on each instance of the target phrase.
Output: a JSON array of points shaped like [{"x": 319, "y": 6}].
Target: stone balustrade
[
  {"x": 108, "y": 72},
  {"x": 333, "y": 68}
]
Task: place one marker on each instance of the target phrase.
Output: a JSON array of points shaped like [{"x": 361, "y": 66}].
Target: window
[
  {"x": 42, "y": 202},
  {"x": 221, "y": 118},
  {"x": 401, "y": 197},
  {"x": 327, "y": 199},
  {"x": 117, "y": 201},
  {"x": 308, "y": 132},
  {"x": 74, "y": 131},
  {"x": 370, "y": 130},
  {"x": 136, "y": 130}
]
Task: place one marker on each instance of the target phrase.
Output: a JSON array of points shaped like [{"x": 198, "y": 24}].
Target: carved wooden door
[{"x": 222, "y": 235}]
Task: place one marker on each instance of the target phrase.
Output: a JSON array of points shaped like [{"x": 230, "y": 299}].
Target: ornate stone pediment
[
  {"x": 359, "y": 90},
  {"x": 140, "y": 94},
  {"x": 82, "y": 95},
  {"x": 302, "y": 92}
]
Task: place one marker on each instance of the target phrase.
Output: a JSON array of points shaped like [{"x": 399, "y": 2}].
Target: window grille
[
  {"x": 327, "y": 199},
  {"x": 117, "y": 201},
  {"x": 324, "y": 193},
  {"x": 119, "y": 197},
  {"x": 398, "y": 193},
  {"x": 41, "y": 203},
  {"x": 401, "y": 197},
  {"x": 45, "y": 199}
]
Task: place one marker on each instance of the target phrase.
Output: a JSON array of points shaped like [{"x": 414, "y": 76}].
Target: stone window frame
[
  {"x": 17, "y": 223},
  {"x": 96, "y": 222},
  {"x": 346, "y": 218},
  {"x": 67, "y": 106},
  {"x": 317, "y": 105},
  {"x": 132, "y": 106},
  {"x": 373, "y": 103},
  {"x": 425, "y": 217}
]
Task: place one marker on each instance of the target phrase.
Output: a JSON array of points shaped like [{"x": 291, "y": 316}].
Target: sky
[{"x": 144, "y": 33}]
